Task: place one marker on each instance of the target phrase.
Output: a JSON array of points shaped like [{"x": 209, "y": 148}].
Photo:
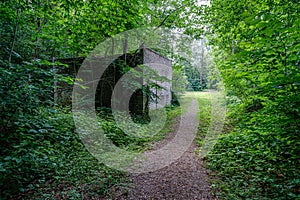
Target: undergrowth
[
  {"x": 47, "y": 159},
  {"x": 259, "y": 157},
  {"x": 204, "y": 117},
  {"x": 138, "y": 141}
]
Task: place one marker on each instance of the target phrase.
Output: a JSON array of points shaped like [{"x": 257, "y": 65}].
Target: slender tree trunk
[
  {"x": 147, "y": 103},
  {"x": 38, "y": 24},
  {"x": 125, "y": 46},
  {"x": 202, "y": 65},
  {"x": 37, "y": 40},
  {"x": 14, "y": 37},
  {"x": 55, "y": 77}
]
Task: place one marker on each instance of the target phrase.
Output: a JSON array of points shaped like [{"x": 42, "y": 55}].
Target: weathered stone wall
[
  {"x": 163, "y": 66},
  {"x": 113, "y": 73}
]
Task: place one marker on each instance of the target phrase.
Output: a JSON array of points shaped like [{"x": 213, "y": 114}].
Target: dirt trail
[{"x": 184, "y": 179}]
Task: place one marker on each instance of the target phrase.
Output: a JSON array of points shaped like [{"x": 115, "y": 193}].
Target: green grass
[
  {"x": 211, "y": 118},
  {"x": 254, "y": 157},
  {"x": 204, "y": 116},
  {"x": 139, "y": 144},
  {"x": 53, "y": 163}
]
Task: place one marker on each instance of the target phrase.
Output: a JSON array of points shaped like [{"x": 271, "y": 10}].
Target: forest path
[{"x": 185, "y": 178}]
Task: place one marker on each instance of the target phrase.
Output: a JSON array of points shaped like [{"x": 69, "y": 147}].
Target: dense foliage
[
  {"x": 257, "y": 45},
  {"x": 256, "y": 50},
  {"x": 39, "y": 147},
  {"x": 41, "y": 155}
]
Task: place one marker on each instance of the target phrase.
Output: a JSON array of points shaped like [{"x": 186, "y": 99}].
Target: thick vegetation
[
  {"x": 41, "y": 154},
  {"x": 259, "y": 44},
  {"x": 256, "y": 50}
]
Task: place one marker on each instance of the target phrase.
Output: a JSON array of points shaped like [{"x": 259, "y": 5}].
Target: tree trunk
[{"x": 14, "y": 37}]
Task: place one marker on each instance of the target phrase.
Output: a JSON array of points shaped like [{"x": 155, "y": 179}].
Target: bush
[
  {"x": 40, "y": 150},
  {"x": 260, "y": 158},
  {"x": 48, "y": 150}
]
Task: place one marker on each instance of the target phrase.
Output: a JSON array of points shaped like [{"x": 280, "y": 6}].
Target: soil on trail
[{"x": 184, "y": 179}]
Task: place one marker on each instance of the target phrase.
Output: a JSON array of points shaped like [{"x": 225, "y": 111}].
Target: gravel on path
[{"x": 184, "y": 179}]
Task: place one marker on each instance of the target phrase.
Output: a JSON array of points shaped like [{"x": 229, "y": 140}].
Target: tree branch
[{"x": 165, "y": 19}]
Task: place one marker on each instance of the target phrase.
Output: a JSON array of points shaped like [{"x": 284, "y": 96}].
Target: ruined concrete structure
[
  {"x": 139, "y": 102},
  {"x": 163, "y": 66}
]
